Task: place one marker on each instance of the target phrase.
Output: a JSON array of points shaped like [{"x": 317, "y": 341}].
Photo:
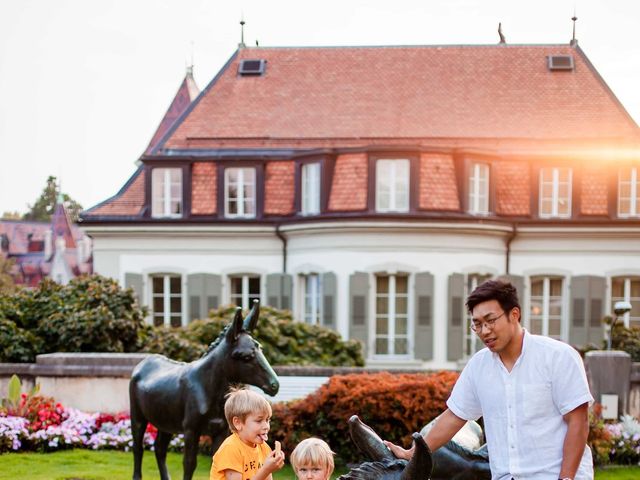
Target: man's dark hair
[{"x": 503, "y": 292}]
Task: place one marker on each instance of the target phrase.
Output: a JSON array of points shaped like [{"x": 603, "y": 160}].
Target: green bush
[
  {"x": 284, "y": 341},
  {"x": 17, "y": 345},
  {"x": 91, "y": 313},
  {"x": 626, "y": 339}
]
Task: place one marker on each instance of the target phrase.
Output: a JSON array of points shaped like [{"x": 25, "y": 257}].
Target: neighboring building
[
  {"x": 57, "y": 249},
  {"x": 369, "y": 189}
]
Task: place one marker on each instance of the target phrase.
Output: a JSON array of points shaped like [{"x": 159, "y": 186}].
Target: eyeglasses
[{"x": 489, "y": 323}]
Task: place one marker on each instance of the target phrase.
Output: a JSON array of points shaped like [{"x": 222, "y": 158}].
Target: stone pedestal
[{"x": 609, "y": 372}]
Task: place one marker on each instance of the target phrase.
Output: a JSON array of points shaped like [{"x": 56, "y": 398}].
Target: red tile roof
[
  {"x": 400, "y": 93},
  {"x": 127, "y": 202},
  {"x": 187, "y": 92}
]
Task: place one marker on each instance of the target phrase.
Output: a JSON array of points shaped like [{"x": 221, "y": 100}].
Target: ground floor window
[
  {"x": 471, "y": 342},
  {"x": 311, "y": 298},
  {"x": 546, "y": 307},
  {"x": 244, "y": 290},
  {"x": 391, "y": 314},
  {"x": 627, "y": 289},
  {"x": 167, "y": 300}
]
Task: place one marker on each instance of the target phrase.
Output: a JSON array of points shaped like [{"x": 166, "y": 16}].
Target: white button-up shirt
[{"x": 523, "y": 409}]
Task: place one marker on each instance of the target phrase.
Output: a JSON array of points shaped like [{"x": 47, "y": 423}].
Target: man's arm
[
  {"x": 577, "y": 421},
  {"x": 445, "y": 428}
]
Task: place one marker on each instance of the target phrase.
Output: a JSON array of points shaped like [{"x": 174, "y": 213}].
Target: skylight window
[
  {"x": 560, "y": 62},
  {"x": 252, "y": 67}
]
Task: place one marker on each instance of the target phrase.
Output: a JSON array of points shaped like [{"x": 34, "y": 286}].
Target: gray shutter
[
  {"x": 578, "y": 305},
  {"x": 587, "y": 310},
  {"x": 597, "y": 294},
  {"x": 455, "y": 325},
  {"x": 134, "y": 280},
  {"x": 518, "y": 282},
  {"x": 204, "y": 290},
  {"x": 329, "y": 297},
  {"x": 279, "y": 290},
  {"x": 358, "y": 309},
  {"x": 423, "y": 325}
]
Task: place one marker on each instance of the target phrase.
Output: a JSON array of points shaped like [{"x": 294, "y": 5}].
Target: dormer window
[
  {"x": 310, "y": 189},
  {"x": 555, "y": 193},
  {"x": 628, "y": 193},
  {"x": 166, "y": 193},
  {"x": 392, "y": 185},
  {"x": 479, "y": 189},
  {"x": 240, "y": 192}
]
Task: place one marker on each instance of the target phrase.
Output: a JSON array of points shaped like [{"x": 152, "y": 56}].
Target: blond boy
[
  {"x": 312, "y": 459},
  {"x": 245, "y": 455}
]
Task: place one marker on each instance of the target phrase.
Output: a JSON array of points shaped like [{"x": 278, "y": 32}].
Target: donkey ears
[
  {"x": 421, "y": 465},
  {"x": 236, "y": 325},
  {"x": 251, "y": 320}
]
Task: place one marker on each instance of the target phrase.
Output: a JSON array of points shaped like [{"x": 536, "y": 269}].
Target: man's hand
[{"x": 398, "y": 451}]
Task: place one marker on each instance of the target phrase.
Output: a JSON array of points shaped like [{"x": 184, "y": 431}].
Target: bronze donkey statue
[{"x": 178, "y": 397}]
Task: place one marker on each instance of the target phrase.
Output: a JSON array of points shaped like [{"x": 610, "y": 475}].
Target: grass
[
  {"x": 111, "y": 465},
  {"x": 101, "y": 465}
]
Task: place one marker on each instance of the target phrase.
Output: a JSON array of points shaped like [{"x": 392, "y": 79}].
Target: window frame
[
  {"x": 241, "y": 186},
  {"x": 245, "y": 295},
  {"x": 316, "y": 314},
  {"x": 393, "y": 206},
  {"x": 413, "y": 180},
  {"x": 391, "y": 335},
  {"x": 166, "y": 296},
  {"x": 469, "y": 337},
  {"x": 167, "y": 199},
  {"x": 546, "y": 303},
  {"x": 634, "y": 192},
  {"x": 627, "y": 279},
  {"x": 555, "y": 186},
  {"x": 304, "y": 194},
  {"x": 473, "y": 186}
]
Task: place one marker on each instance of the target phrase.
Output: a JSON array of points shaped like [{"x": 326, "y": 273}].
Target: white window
[
  {"x": 479, "y": 189},
  {"x": 310, "y": 189},
  {"x": 311, "y": 298},
  {"x": 167, "y": 300},
  {"x": 546, "y": 304},
  {"x": 244, "y": 290},
  {"x": 392, "y": 319},
  {"x": 166, "y": 192},
  {"x": 471, "y": 342},
  {"x": 628, "y": 290},
  {"x": 555, "y": 192},
  {"x": 628, "y": 193},
  {"x": 240, "y": 192},
  {"x": 392, "y": 185}
]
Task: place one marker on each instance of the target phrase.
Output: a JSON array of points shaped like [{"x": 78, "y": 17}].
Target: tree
[
  {"x": 7, "y": 285},
  {"x": 45, "y": 205},
  {"x": 11, "y": 216}
]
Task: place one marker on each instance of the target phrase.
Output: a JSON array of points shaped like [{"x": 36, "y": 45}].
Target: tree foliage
[
  {"x": 7, "y": 284},
  {"x": 45, "y": 205}
]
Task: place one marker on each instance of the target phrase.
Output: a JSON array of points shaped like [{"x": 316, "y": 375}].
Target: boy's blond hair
[
  {"x": 312, "y": 452},
  {"x": 241, "y": 402}
]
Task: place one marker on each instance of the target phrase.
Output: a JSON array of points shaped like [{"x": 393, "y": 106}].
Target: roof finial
[
  {"x": 573, "y": 41},
  {"x": 502, "y": 39},
  {"x": 241, "y": 44}
]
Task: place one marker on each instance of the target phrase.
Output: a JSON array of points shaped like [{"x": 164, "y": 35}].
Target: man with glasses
[{"x": 531, "y": 391}]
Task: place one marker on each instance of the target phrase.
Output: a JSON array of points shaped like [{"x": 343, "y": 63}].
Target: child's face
[
  {"x": 312, "y": 472},
  {"x": 254, "y": 429}
]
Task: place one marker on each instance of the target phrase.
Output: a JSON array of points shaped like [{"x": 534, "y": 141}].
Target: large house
[{"x": 369, "y": 189}]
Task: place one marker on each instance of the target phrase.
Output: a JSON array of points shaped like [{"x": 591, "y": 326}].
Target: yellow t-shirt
[{"x": 236, "y": 455}]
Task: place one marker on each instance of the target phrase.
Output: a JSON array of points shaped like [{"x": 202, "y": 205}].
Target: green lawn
[
  {"x": 110, "y": 465},
  {"x": 99, "y": 465}
]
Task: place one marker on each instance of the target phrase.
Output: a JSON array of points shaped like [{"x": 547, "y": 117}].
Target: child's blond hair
[
  {"x": 312, "y": 452},
  {"x": 241, "y": 402}
]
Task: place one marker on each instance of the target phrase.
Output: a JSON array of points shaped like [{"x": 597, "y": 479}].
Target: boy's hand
[{"x": 275, "y": 461}]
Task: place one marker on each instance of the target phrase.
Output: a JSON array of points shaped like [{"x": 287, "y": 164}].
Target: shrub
[
  {"x": 394, "y": 405},
  {"x": 600, "y": 440},
  {"x": 17, "y": 345},
  {"x": 626, "y": 339}
]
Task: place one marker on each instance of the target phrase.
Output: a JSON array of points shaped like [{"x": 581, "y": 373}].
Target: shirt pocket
[{"x": 537, "y": 400}]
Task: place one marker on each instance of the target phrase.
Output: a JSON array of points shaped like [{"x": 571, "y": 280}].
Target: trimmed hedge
[{"x": 394, "y": 405}]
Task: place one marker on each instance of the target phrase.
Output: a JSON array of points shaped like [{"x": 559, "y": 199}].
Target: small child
[
  {"x": 312, "y": 459},
  {"x": 245, "y": 455}
]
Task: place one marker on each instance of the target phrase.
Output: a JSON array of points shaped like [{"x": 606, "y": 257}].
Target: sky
[{"x": 84, "y": 83}]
